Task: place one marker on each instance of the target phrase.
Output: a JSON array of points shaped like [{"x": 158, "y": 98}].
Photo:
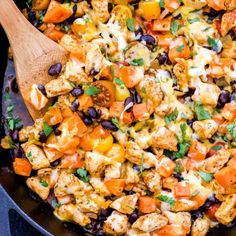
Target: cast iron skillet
[{"x": 14, "y": 194}]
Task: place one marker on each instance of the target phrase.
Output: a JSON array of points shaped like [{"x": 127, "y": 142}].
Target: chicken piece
[
  {"x": 200, "y": 227},
  {"x": 126, "y": 204},
  {"x": 99, "y": 186},
  {"x": 115, "y": 224},
  {"x": 180, "y": 218},
  {"x": 86, "y": 204},
  {"x": 150, "y": 90},
  {"x": 76, "y": 74},
  {"x": 71, "y": 212},
  {"x": 95, "y": 163},
  {"x": 142, "y": 138},
  {"x": 227, "y": 210},
  {"x": 113, "y": 171},
  {"x": 41, "y": 188},
  {"x": 36, "y": 156},
  {"x": 129, "y": 174},
  {"x": 215, "y": 162},
  {"x": 205, "y": 128},
  {"x": 228, "y": 22},
  {"x": 164, "y": 138},
  {"x": 49, "y": 175},
  {"x": 58, "y": 87},
  {"x": 135, "y": 232},
  {"x": 69, "y": 184},
  {"x": 25, "y": 133},
  {"x": 100, "y": 8},
  {"x": 230, "y": 52},
  {"x": 121, "y": 137},
  {"x": 136, "y": 155},
  {"x": 202, "y": 94},
  {"x": 150, "y": 222},
  {"x": 184, "y": 205},
  {"x": 69, "y": 42},
  {"x": 153, "y": 180}
]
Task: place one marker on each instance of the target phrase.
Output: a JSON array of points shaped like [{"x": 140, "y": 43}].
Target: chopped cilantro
[
  {"x": 55, "y": 204},
  {"x": 141, "y": 165},
  {"x": 201, "y": 113},
  {"x": 162, "y": 4},
  {"x": 206, "y": 29},
  {"x": 28, "y": 3},
  {"x": 172, "y": 117},
  {"x": 83, "y": 175},
  {"x": 178, "y": 167},
  {"x": 44, "y": 183},
  {"x": 207, "y": 177},
  {"x": 183, "y": 149},
  {"x": 10, "y": 108},
  {"x": 115, "y": 121},
  {"x": 130, "y": 24},
  {"x": 29, "y": 156},
  {"x": 195, "y": 193},
  {"x": 148, "y": 192},
  {"x": 213, "y": 43},
  {"x": 174, "y": 27},
  {"x": 232, "y": 130},
  {"x": 179, "y": 1},
  {"x": 41, "y": 17},
  {"x": 137, "y": 62},
  {"x": 180, "y": 48},
  {"x": 193, "y": 20},
  {"x": 64, "y": 27},
  {"x": 216, "y": 148},
  {"x": 7, "y": 96},
  {"x": 125, "y": 49},
  {"x": 46, "y": 128},
  {"x": 183, "y": 128},
  {"x": 165, "y": 198},
  {"x": 92, "y": 90},
  {"x": 118, "y": 81},
  {"x": 143, "y": 89}
]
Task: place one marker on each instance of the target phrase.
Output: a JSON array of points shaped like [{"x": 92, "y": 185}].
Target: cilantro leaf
[
  {"x": 162, "y": 4},
  {"x": 148, "y": 192},
  {"x": 207, "y": 177},
  {"x": 172, "y": 117},
  {"x": 29, "y": 156},
  {"x": 216, "y": 148},
  {"x": 137, "y": 62},
  {"x": 92, "y": 90},
  {"x": 232, "y": 130},
  {"x": 213, "y": 43},
  {"x": 180, "y": 48},
  {"x": 206, "y": 29},
  {"x": 115, "y": 121},
  {"x": 141, "y": 165},
  {"x": 193, "y": 20},
  {"x": 178, "y": 167},
  {"x": 130, "y": 24},
  {"x": 183, "y": 149},
  {"x": 44, "y": 183},
  {"x": 118, "y": 81},
  {"x": 174, "y": 27},
  {"x": 165, "y": 198},
  {"x": 46, "y": 128},
  {"x": 195, "y": 193},
  {"x": 83, "y": 174},
  {"x": 201, "y": 113},
  {"x": 183, "y": 128}
]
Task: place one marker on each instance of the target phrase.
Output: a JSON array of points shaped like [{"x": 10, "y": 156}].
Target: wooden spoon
[{"x": 33, "y": 52}]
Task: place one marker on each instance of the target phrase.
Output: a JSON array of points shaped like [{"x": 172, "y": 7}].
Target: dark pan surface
[{"x": 40, "y": 213}]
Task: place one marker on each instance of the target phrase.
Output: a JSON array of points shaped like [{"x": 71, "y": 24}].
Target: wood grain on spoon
[{"x": 33, "y": 52}]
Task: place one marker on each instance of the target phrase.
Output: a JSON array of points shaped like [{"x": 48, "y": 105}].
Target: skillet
[{"x": 14, "y": 194}]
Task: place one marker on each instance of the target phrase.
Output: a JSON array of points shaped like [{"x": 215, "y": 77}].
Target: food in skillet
[{"x": 141, "y": 137}]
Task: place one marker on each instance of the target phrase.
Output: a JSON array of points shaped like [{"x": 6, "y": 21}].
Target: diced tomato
[
  {"x": 226, "y": 176},
  {"x": 73, "y": 161},
  {"x": 22, "y": 167},
  {"x": 182, "y": 189},
  {"x": 140, "y": 112},
  {"x": 170, "y": 230},
  {"x": 162, "y": 25},
  {"x": 216, "y": 4},
  {"x": 197, "y": 151},
  {"x": 171, "y": 5},
  {"x": 146, "y": 204},
  {"x": 115, "y": 186},
  {"x": 85, "y": 101},
  {"x": 164, "y": 40},
  {"x": 53, "y": 33},
  {"x": 169, "y": 182},
  {"x": 212, "y": 210}
]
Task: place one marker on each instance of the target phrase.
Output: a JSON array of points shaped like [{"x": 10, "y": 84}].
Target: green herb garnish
[
  {"x": 207, "y": 177},
  {"x": 130, "y": 24},
  {"x": 213, "y": 43},
  {"x": 174, "y": 27},
  {"x": 216, "y": 148},
  {"x": 172, "y": 117},
  {"x": 148, "y": 192},
  {"x": 178, "y": 167},
  {"x": 92, "y": 90},
  {"x": 162, "y": 4},
  {"x": 118, "y": 81},
  {"x": 232, "y": 130},
  {"x": 193, "y": 20},
  {"x": 180, "y": 48},
  {"x": 195, "y": 193},
  {"x": 115, "y": 121},
  {"x": 137, "y": 62},
  {"x": 183, "y": 128},
  {"x": 165, "y": 198},
  {"x": 206, "y": 29},
  {"x": 201, "y": 113},
  {"x": 44, "y": 183},
  {"x": 46, "y": 128},
  {"x": 83, "y": 175},
  {"x": 183, "y": 149},
  {"x": 29, "y": 156}
]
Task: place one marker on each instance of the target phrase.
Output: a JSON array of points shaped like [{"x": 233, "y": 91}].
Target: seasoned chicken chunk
[
  {"x": 150, "y": 222},
  {"x": 36, "y": 156},
  {"x": 71, "y": 212},
  {"x": 25, "y": 133},
  {"x": 58, "y": 87},
  {"x": 164, "y": 138},
  {"x": 99, "y": 186},
  {"x": 113, "y": 171},
  {"x": 215, "y": 162},
  {"x": 41, "y": 188},
  {"x": 184, "y": 205},
  {"x": 100, "y": 8},
  {"x": 180, "y": 218},
  {"x": 142, "y": 138},
  {"x": 135, "y": 232},
  {"x": 205, "y": 128},
  {"x": 129, "y": 174},
  {"x": 116, "y": 224},
  {"x": 227, "y": 210},
  {"x": 86, "y": 204},
  {"x": 152, "y": 179},
  {"x": 126, "y": 204},
  {"x": 200, "y": 227}
]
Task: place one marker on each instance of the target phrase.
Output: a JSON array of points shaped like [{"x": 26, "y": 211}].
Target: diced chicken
[
  {"x": 152, "y": 179},
  {"x": 25, "y": 133},
  {"x": 69, "y": 42},
  {"x": 129, "y": 174},
  {"x": 150, "y": 222},
  {"x": 99, "y": 186},
  {"x": 86, "y": 204},
  {"x": 215, "y": 162},
  {"x": 135, "y": 155},
  {"x": 200, "y": 227},
  {"x": 135, "y": 232},
  {"x": 126, "y": 204},
  {"x": 95, "y": 163},
  {"x": 71, "y": 212},
  {"x": 205, "y": 128},
  {"x": 58, "y": 87},
  {"x": 184, "y": 205},
  {"x": 69, "y": 184},
  {"x": 165, "y": 139},
  {"x": 121, "y": 137},
  {"x": 41, "y": 188},
  {"x": 50, "y": 175},
  {"x": 36, "y": 156},
  {"x": 230, "y": 52},
  {"x": 100, "y": 8},
  {"x": 142, "y": 138},
  {"x": 116, "y": 224},
  {"x": 180, "y": 218},
  {"x": 227, "y": 210},
  {"x": 113, "y": 171}
]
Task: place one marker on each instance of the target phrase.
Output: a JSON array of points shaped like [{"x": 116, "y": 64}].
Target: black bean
[
  {"x": 55, "y": 69},
  {"x": 18, "y": 152},
  {"x": 31, "y": 16},
  {"x": 107, "y": 124},
  {"x": 190, "y": 122},
  {"x": 99, "y": 233},
  {"x": 75, "y": 1},
  {"x": 178, "y": 176},
  {"x": 137, "y": 98},
  {"x": 57, "y": 132},
  {"x": 138, "y": 32},
  {"x": 207, "y": 204},
  {"x": 110, "y": 6},
  {"x": 74, "y": 105},
  {"x": 94, "y": 72},
  {"x": 99, "y": 113},
  {"x": 197, "y": 214},
  {"x": 76, "y": 92},
  {"x": 14, "y": 86},
  {"x": 232, "y": 82},
  {"x": 41, "y": 88},
  {"x": 150, "y": 40},
  {"x": 101, "y": 218},
  {"x": 133, "y": 217},
  {"x": 136, "y": 167},
  {"x": 130, "y": 192},
  {"x": 15, "y": 136},
  {"x": 105, "y": 212},
  {"x": 211, "y": 140},
  {"x": 232, "y": 97},
  {"x": 162, "y": 58},
  {"x": 224, "y": 97},
  {"x": 129, "y": 101},
  {"x": 92, "y": 112},
  {"x": 35, "y": 23},
  {"x": 87, "y": 120},
  {"x": 42, "y": 137},
  {"x": 213, "y": 199},
  {"x": 55, "y": 163}
]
